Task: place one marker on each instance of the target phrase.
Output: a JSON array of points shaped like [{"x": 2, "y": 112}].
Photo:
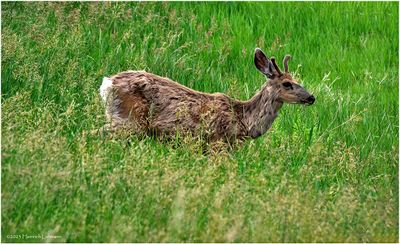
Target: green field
[{"x": 323, "y": 173}]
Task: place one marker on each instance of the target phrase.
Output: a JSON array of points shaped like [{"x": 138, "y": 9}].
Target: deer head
[{"x": 285, "y": 86}]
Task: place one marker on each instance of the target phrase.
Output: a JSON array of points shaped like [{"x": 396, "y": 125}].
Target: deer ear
[{"x": 262, "y": 63}]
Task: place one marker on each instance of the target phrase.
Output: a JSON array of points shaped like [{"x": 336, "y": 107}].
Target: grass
[{"x": 325, "y": 173}]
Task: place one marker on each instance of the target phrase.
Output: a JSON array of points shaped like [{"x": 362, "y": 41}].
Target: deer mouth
[
  {"x": 309, "y": 101},
  {"x": 306, "y": 103}
]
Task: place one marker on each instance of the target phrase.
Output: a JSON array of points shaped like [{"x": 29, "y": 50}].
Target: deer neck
[{"x": 261, "y": 110}]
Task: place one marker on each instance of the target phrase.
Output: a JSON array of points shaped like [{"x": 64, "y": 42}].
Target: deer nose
[{"x": 311, "y": 99}]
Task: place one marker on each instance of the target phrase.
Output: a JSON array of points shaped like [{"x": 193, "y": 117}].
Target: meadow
[{"x": 323, "y": 173}]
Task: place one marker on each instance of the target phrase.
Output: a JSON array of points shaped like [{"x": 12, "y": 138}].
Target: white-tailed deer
[{"x": 147, "y": 103}]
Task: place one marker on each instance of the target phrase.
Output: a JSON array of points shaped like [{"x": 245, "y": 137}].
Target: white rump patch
[{"x": 105, "y": 88}]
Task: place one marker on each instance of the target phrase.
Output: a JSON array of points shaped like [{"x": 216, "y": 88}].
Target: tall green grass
[{"x": 325, "y": 173}]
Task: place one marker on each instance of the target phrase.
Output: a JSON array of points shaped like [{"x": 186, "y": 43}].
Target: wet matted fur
[{"x": 151, "y": 104}]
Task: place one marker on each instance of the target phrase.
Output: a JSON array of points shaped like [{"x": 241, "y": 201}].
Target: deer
[{"x": 147, "y": 103}]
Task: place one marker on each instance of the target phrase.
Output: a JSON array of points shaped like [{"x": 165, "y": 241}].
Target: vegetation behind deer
[{"x": 321, "y": 173}]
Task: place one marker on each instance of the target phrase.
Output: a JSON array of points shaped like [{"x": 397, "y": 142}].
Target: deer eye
[{"x": 287, "y": 85}]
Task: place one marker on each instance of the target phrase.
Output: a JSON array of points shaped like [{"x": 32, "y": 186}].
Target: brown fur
[{"x": 157, "y": 105}]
